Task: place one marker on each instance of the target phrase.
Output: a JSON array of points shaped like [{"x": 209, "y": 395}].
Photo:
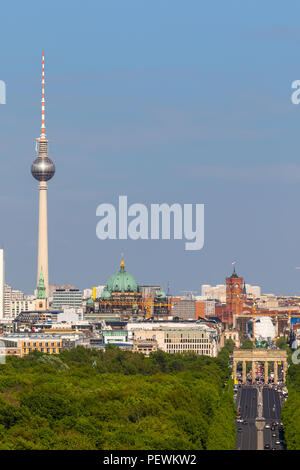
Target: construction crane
[{"x": 189, "y": 293}]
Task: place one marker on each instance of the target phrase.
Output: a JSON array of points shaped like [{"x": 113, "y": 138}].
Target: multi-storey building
[
  {"x": 18, "y": 306},
  {"x": 67, "y": 298},
  {"x": 7, "y": 299},
  {"x": 115, "y": 336},
  {"x": 218, "y": 292},
  {"x": 26, "y": 343},
  {"x": 145, "y": 347},
  {"x": 230, "y": 334},
  {"x": 87, "y": 293},
  {"x": 15, "y": 302},
  {"x": 178, "y": 337},
  {"x": 183, "y": 309}
]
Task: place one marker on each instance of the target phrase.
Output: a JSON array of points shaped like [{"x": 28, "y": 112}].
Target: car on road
[
  {"x": 277, "y": 442},
  {"x": 267, "y": 446},
  {"x": 245, "y": 422},
  {"x": 274, "y": 435},
  {"x": 240, "y": 430},
  {"x": 267, "y": 426}
]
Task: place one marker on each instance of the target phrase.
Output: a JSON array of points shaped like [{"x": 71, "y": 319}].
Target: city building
[
  {"x": 144, "y": 346},
  {"x": 7, "y": 299},
  {"x": 26, "y": 343},
  {"x": 183, "y": 309},
  {"x": 230, "y": 334},
  {"x": 18, "y": 306},
  {"x": 218, "y": 292},
  {"x": 235, "y": 297},
  {"x": 267, "y": 301},
  {"x": 112, "y": 336},
  {"x": 15, "y": 301},
  {"x": 121, "y": 296},
  {"x": 87, "y": 293},
  {"x": 2, "y": 281},
  {"x": 178, "y": 337},
  {"x": 295, "y": 336},
  {"x": 67, "y": 298},
  {"x": 68, "y": 315},
  {"x": 150, "y": 291}
]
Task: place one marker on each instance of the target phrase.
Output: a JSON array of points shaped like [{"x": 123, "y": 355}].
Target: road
[
  {"x": 247, "y": 402},
  {"x": 271, "y": 413}
]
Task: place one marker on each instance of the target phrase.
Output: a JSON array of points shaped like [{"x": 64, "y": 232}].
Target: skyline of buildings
[
  {"x": 15, "y": 300},
  {"x": 2, "y": 281}
]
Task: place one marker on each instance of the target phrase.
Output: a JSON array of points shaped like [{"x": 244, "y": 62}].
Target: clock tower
[{"x": 235, "y": 296}]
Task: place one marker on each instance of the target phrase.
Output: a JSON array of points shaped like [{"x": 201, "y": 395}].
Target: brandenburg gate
[{"x": 259, "y": 355}]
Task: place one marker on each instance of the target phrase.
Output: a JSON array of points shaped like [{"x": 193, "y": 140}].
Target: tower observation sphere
[{"x": 43, "y": 168}]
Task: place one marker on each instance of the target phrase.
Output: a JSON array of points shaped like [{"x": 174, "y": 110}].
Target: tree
[{"x": 247, "y": 344}]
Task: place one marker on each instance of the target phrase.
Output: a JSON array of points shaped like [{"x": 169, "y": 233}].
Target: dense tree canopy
[
  {"x": 247, "y": 344},
  {"x": 281, "y": 343},
  {"x": 291, "y": 409},
  {"x": 114, "y": 399}
]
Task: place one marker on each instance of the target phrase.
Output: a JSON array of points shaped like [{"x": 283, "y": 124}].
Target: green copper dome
[
  {"x": 105, "y": 294},
  {"x": 160, "y": 294},
  {"x": 122, "y": 281},
  {"x": 89, "y": 301}
]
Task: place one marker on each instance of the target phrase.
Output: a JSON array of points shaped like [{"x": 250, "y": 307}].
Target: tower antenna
[{"x": 43, "y": 127}]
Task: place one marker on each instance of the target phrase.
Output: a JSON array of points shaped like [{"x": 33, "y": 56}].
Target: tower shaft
[{"x": 43, "y": 236}]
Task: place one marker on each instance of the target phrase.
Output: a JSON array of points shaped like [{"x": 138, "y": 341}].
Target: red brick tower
[{"x": 235, "y": 295}]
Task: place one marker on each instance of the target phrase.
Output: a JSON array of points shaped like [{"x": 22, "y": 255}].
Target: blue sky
[{"x": 164, "y": 101}]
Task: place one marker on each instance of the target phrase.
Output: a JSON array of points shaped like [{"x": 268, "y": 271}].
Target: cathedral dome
[
  {"x": 122, "y": 281},
  {"x": 160, "y": 294},
  {"x": 105, "y": 294}
]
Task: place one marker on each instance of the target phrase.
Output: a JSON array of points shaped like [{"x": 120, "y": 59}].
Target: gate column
[
  {"x": 253, "y": 372},
  {"x": 275, "y": 372},
  {"x": 244, "y": 372},
  {"x": 266, "y": 372}
]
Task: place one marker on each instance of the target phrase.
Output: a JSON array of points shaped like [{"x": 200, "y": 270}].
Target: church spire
[{"x": 41, "y": 290}]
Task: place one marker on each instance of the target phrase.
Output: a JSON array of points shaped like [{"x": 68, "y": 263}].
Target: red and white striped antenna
[{"x": 43, "y": 128}]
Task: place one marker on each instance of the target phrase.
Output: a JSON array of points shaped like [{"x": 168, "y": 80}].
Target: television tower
[{"x": 43, "y": 170}]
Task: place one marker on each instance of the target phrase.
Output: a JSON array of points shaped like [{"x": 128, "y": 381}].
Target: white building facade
[
  {"x": 173, "y": 337},
  {"x": 218, "y": 292}
]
